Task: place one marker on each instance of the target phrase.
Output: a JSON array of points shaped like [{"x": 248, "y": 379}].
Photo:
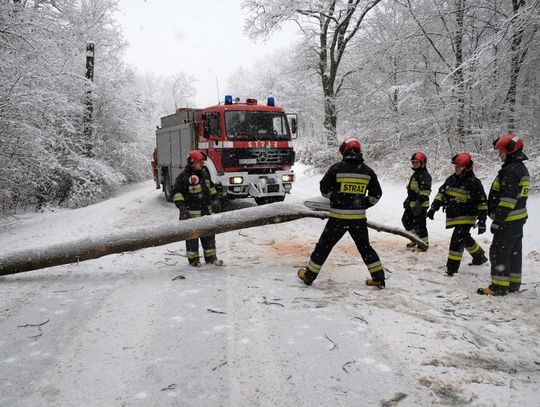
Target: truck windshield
[{"x": 249, "y": 125}]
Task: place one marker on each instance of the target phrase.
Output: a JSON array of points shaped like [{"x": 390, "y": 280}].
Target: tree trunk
[
  {"x": 458, "y": 72},
  {"x": 327, "y": 82},
  {"x": 92, "y": 248},
  {"x": 330, "y": 119},
  {"x": 323, "y": 204},
  {"x": 517, "y": 57}
]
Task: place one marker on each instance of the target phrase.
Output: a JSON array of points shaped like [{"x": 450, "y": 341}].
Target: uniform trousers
[
  {"x": 505, "y": 256},
  {"x": 334, "y": 230},
  {"x": 461, "y": 239}
]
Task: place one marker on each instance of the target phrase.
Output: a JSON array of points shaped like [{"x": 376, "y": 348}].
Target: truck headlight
[
  {"x": 236, "y": 180},
  {"x": 287, "y": 178}
]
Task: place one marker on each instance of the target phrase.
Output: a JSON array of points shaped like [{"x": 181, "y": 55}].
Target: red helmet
[
  {"x": 195, "y": 155},
  {"x": 463, "y": 160},
  {"x": 509, "y": 143},
  {"x": 351, "y": 144},
  {"x": 419, "y": 156}
]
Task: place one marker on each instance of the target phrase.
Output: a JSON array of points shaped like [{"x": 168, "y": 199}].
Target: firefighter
[
  {"x": 194, "y": 195},
  {"x": 154, "y": 165},
  {"x": 507, "y": 207},
  {"x": 462, "y": 196},
  {"x": 352, "y": 187},
  {"x": 417, "y": 202}
]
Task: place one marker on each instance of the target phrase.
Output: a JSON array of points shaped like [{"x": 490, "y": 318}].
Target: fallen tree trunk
[
  {"x": 92, "y": 248},
  {"x": 323, "y": 204}
]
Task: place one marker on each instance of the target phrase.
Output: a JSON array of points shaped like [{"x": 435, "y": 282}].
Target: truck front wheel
[{"x": 167, "y": 188}]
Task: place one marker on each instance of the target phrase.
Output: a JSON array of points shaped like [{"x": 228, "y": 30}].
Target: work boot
[
  {"x": 514, "y": 288},
  {"x": 375, "y": 283},
  {"x": 195, "y": 263},
  {"x": 217, "y": 262},
  {"x": 478, "y": 260},
  {"x": 491, "y": 290},
  {"x": 420, "y": 249},
  {"x": 411, "y": 245},
  {"x": 450, "y": 273},
  {"x": 306, "y": 276}
]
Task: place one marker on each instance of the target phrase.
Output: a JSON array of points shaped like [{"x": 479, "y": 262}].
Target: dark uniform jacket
[
  {"x": 463, "y": 198},
  {"x": 508, "y": 194},
  {"x": 352, "y": 188},
  {"x": 418, "y": 190},
  {"x": 194, "y": 191}
]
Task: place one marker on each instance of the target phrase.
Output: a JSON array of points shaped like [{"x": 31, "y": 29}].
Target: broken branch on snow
[
  {"x": 334, "y": 345},
  {"x": 38, "y": 326}
]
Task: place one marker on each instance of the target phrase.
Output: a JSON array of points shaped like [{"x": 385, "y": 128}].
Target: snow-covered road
[{"x": 144, "y": 329}]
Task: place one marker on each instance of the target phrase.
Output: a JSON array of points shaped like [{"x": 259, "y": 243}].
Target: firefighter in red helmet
[
  {"x": 194, "y": 195},
  {"x": 352, "y": 188},
  {"x": 462, "y": 196},
  {"x": 417, "y": 202},
  {"x": 507, "y": 207}
]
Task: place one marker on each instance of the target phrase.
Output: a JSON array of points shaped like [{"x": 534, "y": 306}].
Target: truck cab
[{"x": 248, "y": 147}]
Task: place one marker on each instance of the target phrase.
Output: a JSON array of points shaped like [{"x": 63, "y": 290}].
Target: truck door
[{"x": 212, "y": 128}]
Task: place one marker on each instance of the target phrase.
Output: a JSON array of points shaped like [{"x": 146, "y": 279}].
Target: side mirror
[
  {"x": 294, "y": 127},
  {"x": 293, "y": 123}
]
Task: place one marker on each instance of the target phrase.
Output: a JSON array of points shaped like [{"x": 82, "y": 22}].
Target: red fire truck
[{"x": 248, "y": 148}]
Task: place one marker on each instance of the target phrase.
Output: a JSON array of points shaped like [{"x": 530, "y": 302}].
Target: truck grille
[
  {"x": 268, "y": 157},
  {"x": 249, "y": 157}
]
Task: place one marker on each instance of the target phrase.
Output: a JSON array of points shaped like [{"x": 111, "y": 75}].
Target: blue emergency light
[
  {"x": 271, "y": 101},
  {"x": 228, "y": 99}
]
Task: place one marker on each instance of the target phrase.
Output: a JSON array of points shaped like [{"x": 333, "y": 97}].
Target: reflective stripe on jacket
[
  {"x": 195, "y": 190},
  {"x": 509, "y": 191},
  {"x": 352, "y": 188},
  {"x": 419, "y": 188},
  {"x": 463, "y": 198}
]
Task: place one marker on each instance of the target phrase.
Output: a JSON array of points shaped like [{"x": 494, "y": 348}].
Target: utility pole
[{"x": 89, "y": 110}]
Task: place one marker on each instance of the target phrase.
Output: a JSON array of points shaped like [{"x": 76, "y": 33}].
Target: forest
[{"x": 432, "y": 75}]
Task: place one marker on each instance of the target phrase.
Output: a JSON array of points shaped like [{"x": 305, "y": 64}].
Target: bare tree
[
  {"x": 443, "y": 27},
  {"x": 523, "y": 24},
  {"x": 183, "y": 90},
  {"x": 328, "y": 26}
]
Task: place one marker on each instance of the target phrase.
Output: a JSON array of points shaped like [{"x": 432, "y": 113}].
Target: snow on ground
[{"x": 145, "y": 329}]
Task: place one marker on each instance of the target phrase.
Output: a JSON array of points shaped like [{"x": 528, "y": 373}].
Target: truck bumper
[{"x": 257, "y": 185}]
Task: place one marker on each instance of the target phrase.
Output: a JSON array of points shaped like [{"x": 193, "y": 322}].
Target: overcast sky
[{"x": 203, "y": 38}]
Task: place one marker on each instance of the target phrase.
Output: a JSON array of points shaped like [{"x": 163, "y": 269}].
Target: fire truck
[{"x": 247, "y": 145}]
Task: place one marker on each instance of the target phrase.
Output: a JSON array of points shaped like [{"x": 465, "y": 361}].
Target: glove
[
  {"x": 406, "y": 204},
  {"x": 481, "y": 226},
  {"x": 184, "y": 213},
  {"x": 216, "y": 206},
  {"x": 431, "y": 213}
]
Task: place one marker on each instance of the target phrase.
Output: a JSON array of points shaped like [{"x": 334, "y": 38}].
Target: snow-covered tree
[
  {"x": 46, "y": 155},
  {"x": 328, "y": 28}
]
